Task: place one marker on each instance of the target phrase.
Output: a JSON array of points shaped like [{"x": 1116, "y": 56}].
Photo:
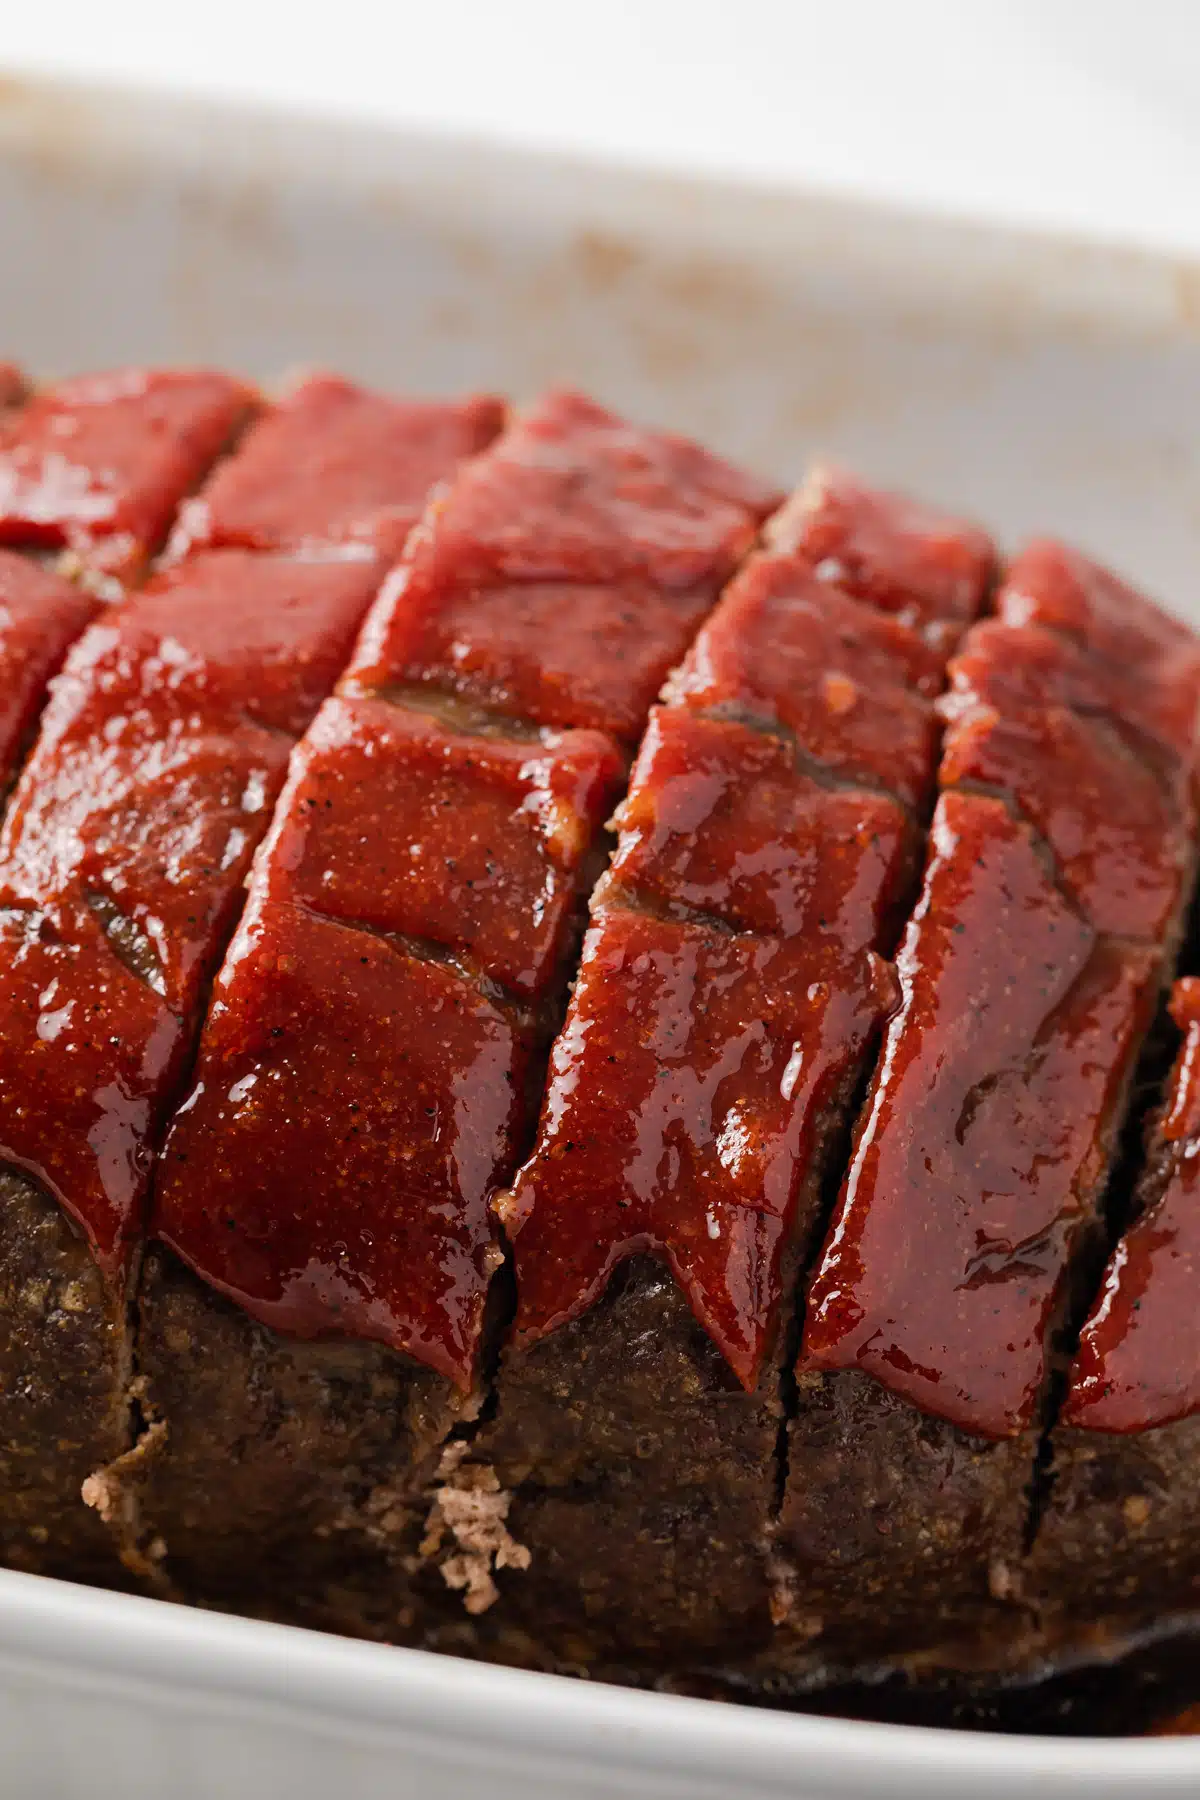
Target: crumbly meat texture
[
  {"x": 275, "y": 1486},
  {"x": 700, "y": 1092},
  {"x": 64, "y": 1408},
  {"x": 634, "y": 1461},
  {"x": 466, "y": 674},
  {"x": 908, "y": 1531},
  {"x": 1117, "y": 1551}
]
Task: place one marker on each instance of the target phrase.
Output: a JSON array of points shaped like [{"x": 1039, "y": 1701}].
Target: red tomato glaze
[
  {"x": 1138, "y": 1363},
  {"x": 413, "y": 911},
  {"x": 731, "y": 982},
  {"x": 40, "y": 615},
  {"x": 996, "y": 1097},
  {"x": 129, "y": 837},
  {"x": 562, "y": 600},
  {"x": 402, "y": 824},
  {"x": 721, "y": 820},
  {"x": 334, "y": 464},
  {"x": 1029, "y": 973},
  {"x": 1037, "y": 719},
  {"x": 685, "y": 1100},
  {"x": 895, "y": 554},
  {"x": 852, "y": 686},
  {"x": 127, "y": 844},
  {"x": 98, "y": 465},
  {"x": 332, "y": 1163},
  {"x": 1052, "y": 585}
]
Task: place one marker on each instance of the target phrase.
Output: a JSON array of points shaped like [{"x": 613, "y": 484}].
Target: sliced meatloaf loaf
[{"x": 748, "y": 1252}]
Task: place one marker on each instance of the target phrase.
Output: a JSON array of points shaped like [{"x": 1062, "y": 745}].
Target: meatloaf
[
  {"x": 90, "y": 475},
  {"x": 581, "y": 1069},
  {"x": 123, "y": 852},
  {"x": 398, "y": 973},
  {"x": 972, "y": 1216},
  {"x": 731, "y": 985},
  {"x": 1116, "y": 1554}
]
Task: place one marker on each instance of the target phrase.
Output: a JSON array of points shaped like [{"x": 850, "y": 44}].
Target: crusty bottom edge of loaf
[
  {"x": 65, "y": 1350},
  {"x": 286, "y": 1477}
]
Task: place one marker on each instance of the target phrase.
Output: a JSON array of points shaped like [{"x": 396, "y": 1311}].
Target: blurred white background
[{"x": 1082, "y": 114}]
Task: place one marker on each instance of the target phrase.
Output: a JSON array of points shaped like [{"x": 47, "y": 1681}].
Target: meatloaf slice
[
  {"x": 731, "y": 986},
  {"x": 96, "y": 466},
  {"x": 382, "y": 1017},
  {"x": 122, "y": 861},
  {"x": 121, "y": 866},
  {"x": 1117, "y": 1549},
  {"x": 1060, "y": 870}
]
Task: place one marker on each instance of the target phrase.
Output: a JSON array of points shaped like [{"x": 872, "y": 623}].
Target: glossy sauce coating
[
  {"x": 854, "y": 687},
  {"x": 465, "y": 837},
  {"x": 99, "y": 464},
  {"x": 557, "y": 600},
  {"x": 1029, "y": 973},
  {"x": 686, "y": 1091},
  {"x": 1052, "y": 585},
  {"x": 126, "y": 847},
  {"x": 731, "y": 983},
  {"x": 334, "y": 464},
  {"x": 332, "y": 1163},
  {"x": 993, "y": 1105},
  {"x": 86, "y": 1050},
  {"x": 1149, "y": 663},
  {"x": 165, "y": 745},
  {"x": 40, "y": 615},
  {"x": 898, "y": 556},
  {"x": 720, "y": 820},
  {"x": 1037, "y": 719},
  {"x": 1138, "y": 1363},
  {"x": 127, "y": 842},
  {"x": 397, "y": 822}
]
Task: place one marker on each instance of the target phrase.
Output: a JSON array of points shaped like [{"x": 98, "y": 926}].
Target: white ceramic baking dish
[{"x": 1035, "y": 383}]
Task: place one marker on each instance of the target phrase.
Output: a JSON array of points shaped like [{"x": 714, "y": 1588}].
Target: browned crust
[
  {"x": 281, "y": 1476},
  {"x": 901, "y": 1534},
  {"x": 1118, "y": 1548},
  {"x": 640, "y": 1475},
  {"x": 64, "y": 1367}
]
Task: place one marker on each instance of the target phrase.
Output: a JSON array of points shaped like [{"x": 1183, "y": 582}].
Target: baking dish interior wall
[{"x": 1028, "y": 382}]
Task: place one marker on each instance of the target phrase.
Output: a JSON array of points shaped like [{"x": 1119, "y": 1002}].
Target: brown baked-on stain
[
  {"x": 64, "y": 136},
  {"x": 605, "y": 260},
  {"x": 1187, "y": 296}
]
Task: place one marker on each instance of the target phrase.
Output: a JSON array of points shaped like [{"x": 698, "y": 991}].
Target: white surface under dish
[{"x": 1037, "y": 384}]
